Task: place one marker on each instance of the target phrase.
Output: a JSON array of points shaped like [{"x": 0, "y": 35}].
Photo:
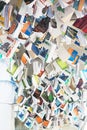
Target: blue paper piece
[
  {"x": 57, "y": 102},
  {"x": 63, "y": 77},
  {"x": 84, "y": 57},
  {"x": 35, "y": 49},
  {"x": 29, "y": 30}
]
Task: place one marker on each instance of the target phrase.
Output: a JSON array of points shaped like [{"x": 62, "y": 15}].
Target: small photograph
[
  {"x": 83, "y": 57},
  {"x": 29, "y": 102},
  {"x": 35, "y": 49},
  {"x": 70, "y": 32},
  {"x": 18, "y": 17},
  {"x": 57, "y": 102},
  {"x": 43, "y": 84},
  {"x": 48, "y": 95},
  {"x": 45, "y": 123},
  {"x": 29, "y": 80},
  {"x": 28, "y": 18},
  {"x": 40, "y": 101},
  {"x": 43, "y": 52},
  {"x": 27, "y": 29},
  {"x": 76, "y": 4},
  {"x": 47, "y": 37},
  {"x": 74, "y": 57},
  {"x": 38, "y": 119},
  {"x": 39, "y": 109},
  {"x": 13, "y": 27},
  {"x": 51, "y": 97},
  {"x": 37, "y": 93},
  {"x": 57, "y": 88},
  {"x": 20, "y": 99},
  {"x": 29, "y": 123},
  {"x": 45, "y": 96},
  {"x": 30, "y": 110},
  {"x": 12, "y": 69},
  {"x": 63, "y": 77},
  {"x": 79, "y": 4},
  {"x": 62, "y": 64},
  {"x": 22, "y": 115},
  {"x": 5, "y": 47}
]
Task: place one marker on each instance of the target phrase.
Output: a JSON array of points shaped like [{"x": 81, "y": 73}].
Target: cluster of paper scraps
[{"x": 45, "y": 43}]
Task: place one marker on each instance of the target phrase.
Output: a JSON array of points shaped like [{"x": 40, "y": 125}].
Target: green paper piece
[
  {"x": 29, "y": 80},
  {"x": 63, "y": 65},
  {"x": 45, "y": 97},
  {"x": 46, "y": 57},
  {"x": 0, "y": 56},
  {"x": 14, "y": 68},
  {"x": 59, "y": 8},
  {"x": 23, "y": 83},
  {"x": 50, "y": 97},
  {"x": 65, "y": 113}
]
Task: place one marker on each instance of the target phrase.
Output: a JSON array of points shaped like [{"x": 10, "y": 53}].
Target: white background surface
[
  {"x": 6, "y": 99},
  {"x": 6, "y": 117}
]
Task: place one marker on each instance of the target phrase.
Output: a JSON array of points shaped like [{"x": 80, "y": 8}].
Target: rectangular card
[
  {"x": 57, "y": 102},
  {"x": 37, "y": 93},
  {"x": 29, "y": 123},
  {"x": 29, "y": 102},
  {"x": 56, "y": 88},
  {"x": 22, "y": 115},
  {"x": 48, "y": 95},
  {"x": 70, "y": 32},
  {"x": 63, "y": 78}
]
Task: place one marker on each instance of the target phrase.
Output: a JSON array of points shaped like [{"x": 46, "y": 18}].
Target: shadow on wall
[{"x": 19, "y": 125}]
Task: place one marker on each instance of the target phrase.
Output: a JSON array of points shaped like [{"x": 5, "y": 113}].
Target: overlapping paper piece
[{"x": 45, "y": 42}]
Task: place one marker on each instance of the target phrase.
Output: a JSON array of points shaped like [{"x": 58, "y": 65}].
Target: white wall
[{"x": 6, "y": 117}]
